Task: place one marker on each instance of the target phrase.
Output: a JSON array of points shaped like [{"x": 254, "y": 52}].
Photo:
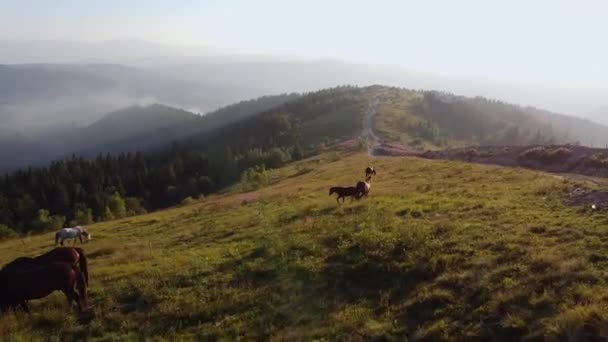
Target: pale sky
[{"x": 552, "y": 41}]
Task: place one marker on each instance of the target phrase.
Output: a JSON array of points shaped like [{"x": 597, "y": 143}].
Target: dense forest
[{"x": 80, "y": 191}]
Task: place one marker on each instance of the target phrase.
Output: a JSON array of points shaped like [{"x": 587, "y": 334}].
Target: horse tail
[
  {"x": 81, "y": 286},
  {"x": 56, "y": 238},
  {"x": 82, "y": 262}
]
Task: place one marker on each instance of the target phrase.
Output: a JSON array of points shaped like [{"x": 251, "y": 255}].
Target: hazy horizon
[{"x": 549, "y": 52}]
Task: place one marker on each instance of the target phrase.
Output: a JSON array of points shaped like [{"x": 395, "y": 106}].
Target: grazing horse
[
  {"x": 369, "y": 171},
  {"x": 69, "y": 255},
  {"x": 343, "y": 192},
  {"x": 72, "y": 233},
  {"x": 16, "y": 288}
]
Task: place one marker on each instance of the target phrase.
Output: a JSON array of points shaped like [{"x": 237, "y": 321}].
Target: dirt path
[{"x": 373, "y": 141}]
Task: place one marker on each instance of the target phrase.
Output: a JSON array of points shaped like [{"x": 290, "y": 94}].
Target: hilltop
[
  {"x": 440, "y": 250},
  {"x": 435, "y": 120}
]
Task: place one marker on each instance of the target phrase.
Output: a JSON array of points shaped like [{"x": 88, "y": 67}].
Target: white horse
[{"x": 72, "y": 233}]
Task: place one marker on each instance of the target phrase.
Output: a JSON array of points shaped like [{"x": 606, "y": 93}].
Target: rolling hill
[
  {"x": 136, "y": 128},
  {"x": 431, "y": 120},
  {"x": 439, "y": 251},
  {"x": 214, "y": 153}
]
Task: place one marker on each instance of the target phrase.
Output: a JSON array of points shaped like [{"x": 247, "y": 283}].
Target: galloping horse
[
  {"x": 70, "y": 255},
  {"x": 72, "y": 233},
  {"x": 16, "y": 288},
  {"x": 343, "y": 192},
  {"x": 369, "y": 171}
]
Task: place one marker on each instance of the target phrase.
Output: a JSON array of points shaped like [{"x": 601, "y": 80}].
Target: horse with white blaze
[{"x": 72, "y": 233}]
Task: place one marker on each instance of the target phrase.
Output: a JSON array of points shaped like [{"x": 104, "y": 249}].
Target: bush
[
  {"x": 117, "y": 205},
  {"x": 6, "y": 232},
  {"x": 134, "y": 206},
  {"x": 107, "y": 214},
  {"x": 82, "y": 217},
  {"x": 277, "y": 157},
  {"x": 188, "y": 200},
  {"x": 44, "y": 221},
  {"x": 254, "y": 178}
]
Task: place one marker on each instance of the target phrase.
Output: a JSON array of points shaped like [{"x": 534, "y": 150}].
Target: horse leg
[
  {"x": 80, "y": 237},
  {"x": 61, "y": 242},
  {"x": 72, "y": 297}
]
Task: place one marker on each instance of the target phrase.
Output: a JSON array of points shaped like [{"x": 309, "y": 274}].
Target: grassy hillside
[
  {"x": 431, "y": 120},
  {"x": 439, "y": 251}
]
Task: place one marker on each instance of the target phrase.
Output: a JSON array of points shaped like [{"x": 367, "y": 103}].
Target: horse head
[
  {"x": 332, "y": 190},
  {"x": 86, "y": 234}
]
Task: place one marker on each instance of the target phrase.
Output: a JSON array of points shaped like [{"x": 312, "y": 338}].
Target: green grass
[{"x": 439, "y": 251}]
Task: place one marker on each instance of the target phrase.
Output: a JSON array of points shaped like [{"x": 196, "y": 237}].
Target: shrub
[
  {"x": 117, "y": 205},
  {"x": 6, "y": 232},
  {"x": 44, "y": 221},
  {"x": 107, "y": 214},
  {"x": 188, "y": 200},
  {"x": 82, "y": 216},
  {"x": 134, "y": 206},
  {"x": 254, "y": 177}
]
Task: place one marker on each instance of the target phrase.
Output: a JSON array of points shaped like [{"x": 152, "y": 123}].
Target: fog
[{"x": 80, "y": 61}]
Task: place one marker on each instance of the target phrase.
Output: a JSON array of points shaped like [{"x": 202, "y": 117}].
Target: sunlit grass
[{"x": 440, "y": 251}]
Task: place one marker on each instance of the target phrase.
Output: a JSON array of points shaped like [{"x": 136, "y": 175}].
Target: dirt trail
[{"x": 373, "y": 141}]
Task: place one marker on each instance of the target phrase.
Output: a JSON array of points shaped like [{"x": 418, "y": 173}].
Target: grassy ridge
[{"x": 440, "y": 251}]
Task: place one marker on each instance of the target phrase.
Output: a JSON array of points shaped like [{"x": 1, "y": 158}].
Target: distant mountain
[
  {"x": 34, "y": 98},
  {"x": 599, "y": 114},
  {"x": 135, "y": 128},
  {"x": 16, "y": 150},
  {"x": 110, "y": 51}
]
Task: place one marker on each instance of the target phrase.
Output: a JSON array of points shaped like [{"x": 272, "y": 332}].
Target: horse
[
  {"x": 364, "y": 187},
  {"x": 17, "y": 287},
  {"x": 343, "y": 192},
  {"x": 69, "y": 255},
  {"x": 369, "y": 171},
  {"x": 72, "y": 233}
]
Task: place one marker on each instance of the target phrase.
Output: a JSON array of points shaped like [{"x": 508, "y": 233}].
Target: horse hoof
[{"x": 86, "y": 315}]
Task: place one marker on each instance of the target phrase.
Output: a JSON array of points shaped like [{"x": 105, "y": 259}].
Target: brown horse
[
  {"x": 343, "y": 192},
  {"x": 364, "y": 187},
  {"x": 19, "y": 286},
  {"x": 69, "y": 255}
]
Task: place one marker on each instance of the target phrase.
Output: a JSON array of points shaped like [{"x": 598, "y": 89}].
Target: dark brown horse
[
  {"x": 343, "y": 192},
  {"x": 19, "y": 286},
  {"x": 70, "y": 255}
]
